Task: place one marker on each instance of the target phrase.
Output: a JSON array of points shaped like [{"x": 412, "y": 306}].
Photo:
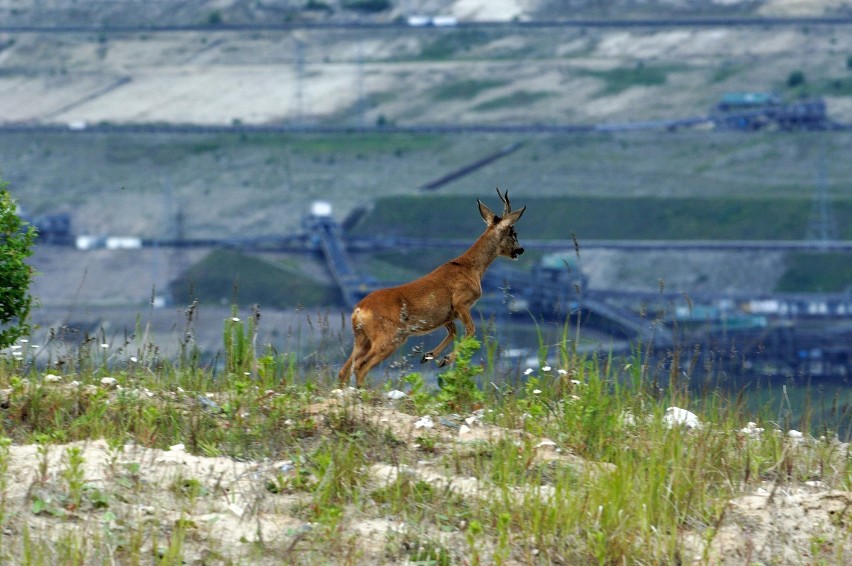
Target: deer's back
[{"x": 425, "y": 303}]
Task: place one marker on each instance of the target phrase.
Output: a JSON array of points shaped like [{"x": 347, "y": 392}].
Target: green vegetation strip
[
  {"x": 224, "y": 276},
  {"x": 633, "y": 218}
]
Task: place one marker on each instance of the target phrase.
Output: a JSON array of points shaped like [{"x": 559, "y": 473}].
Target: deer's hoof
[
  {"x": 426, "y": 357},
  {"x": 445, "y": 361}
]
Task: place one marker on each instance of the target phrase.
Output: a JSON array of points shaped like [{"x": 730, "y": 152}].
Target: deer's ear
[
  {"x": 513, "y": 217},
  {"x": 486, "y": 213}
]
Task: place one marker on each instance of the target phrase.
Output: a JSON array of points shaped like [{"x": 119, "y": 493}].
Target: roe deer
[{"x": 384, "y": 319}]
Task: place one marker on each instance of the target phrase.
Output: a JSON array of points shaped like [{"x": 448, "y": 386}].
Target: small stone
[
  {"x": 676, "y": 416},
  {"x": 751, "y": 429}
]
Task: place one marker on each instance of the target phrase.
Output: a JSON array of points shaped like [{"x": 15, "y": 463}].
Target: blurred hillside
[{"x": 231, "y": 184}]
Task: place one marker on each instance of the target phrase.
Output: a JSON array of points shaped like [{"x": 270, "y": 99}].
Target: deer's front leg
[
  {"x": 469, "y": 330},
  {"x": 467, "y": 320},
  {"x": 451, "y": 334}
]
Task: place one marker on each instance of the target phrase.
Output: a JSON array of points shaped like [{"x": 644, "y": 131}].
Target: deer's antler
[{"x": 507, "y": 208}]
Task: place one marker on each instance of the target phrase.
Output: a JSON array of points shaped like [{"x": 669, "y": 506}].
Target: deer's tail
[{"x": 360, "y": 317}]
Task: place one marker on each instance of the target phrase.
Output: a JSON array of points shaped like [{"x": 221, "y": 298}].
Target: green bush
[
  {"x": 816, "y": 273},
  {"x": 367, "y": 5},
  {"x": 16, "y": 241},
  {"x": 620, "y": 79},
  {"x": 225, "y": 276},
  {"x": 459, "y": 392},
  {"x": 796, "y": 78}
]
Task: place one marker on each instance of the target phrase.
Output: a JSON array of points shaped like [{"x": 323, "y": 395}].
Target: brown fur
[{"x": 384, "y": 319}]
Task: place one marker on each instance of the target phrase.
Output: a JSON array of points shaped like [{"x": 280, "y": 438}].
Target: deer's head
[{"x": 504, "y": 226}]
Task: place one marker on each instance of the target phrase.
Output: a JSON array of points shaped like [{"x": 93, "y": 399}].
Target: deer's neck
[{"x": 480, "y": 255}]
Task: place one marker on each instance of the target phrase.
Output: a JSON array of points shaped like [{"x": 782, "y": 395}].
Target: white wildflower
[
  {"x": 536, "y": 391},
  {"x": 235, "y": 319},
  {"x": 134, "y": 359},
  {"x": 562, "y": 372},
  {"x": 104, "y": 345},
  {"x": 528, "y": 371},
  {"x": 546, "y": 368}
]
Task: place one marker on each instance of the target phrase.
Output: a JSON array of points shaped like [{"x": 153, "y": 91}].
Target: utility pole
[
  {"x": 822, "y": 227},
  {"x": 359, "y": 87},
  {"x": 172, "y": 230},
  {"x": 300, "y": 77}
]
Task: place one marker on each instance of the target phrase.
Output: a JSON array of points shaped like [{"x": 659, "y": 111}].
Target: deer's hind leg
[
  {"x": 378, "y": 352},
  {"x": 448, "y": 339},
  {"x": 345, "y": 374},
  {"x": 360, "y": 348}
]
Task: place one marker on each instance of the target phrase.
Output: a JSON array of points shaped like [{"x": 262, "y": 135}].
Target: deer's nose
[{"x": 517, "y": 251}]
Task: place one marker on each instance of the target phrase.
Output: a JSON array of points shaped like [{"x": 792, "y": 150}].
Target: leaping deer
[{"x": 384, "y": 319}]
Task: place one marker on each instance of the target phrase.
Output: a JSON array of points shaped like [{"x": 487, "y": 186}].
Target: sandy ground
[
  {"x": 261, "y": 78},
  {"x": 231, "y": 511},
  {"x": 489, "y": 10}
]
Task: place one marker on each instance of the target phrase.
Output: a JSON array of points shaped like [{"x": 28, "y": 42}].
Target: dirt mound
[
  {"x": 792, "y": 525},
  {"x": 141, "y": 501}
]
